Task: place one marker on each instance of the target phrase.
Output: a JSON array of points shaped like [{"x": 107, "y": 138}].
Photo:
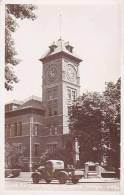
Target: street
[{"x": 24, "y": 182}]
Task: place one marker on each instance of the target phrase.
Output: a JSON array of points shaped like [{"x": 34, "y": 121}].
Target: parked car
[
  {"x": 12, "y": 172},
  {"x": 54, "y": 169}
]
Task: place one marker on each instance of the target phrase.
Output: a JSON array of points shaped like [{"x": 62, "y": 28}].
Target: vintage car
[
  {"x": 54, "y": 170},
  {"x": 12, "y": 172}
]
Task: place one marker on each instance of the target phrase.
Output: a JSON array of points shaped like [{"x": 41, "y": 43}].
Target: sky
[{"x": 94, "y": 31}]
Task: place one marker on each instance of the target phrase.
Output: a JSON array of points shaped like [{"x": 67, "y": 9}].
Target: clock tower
[{"x": 60, "y": 86}]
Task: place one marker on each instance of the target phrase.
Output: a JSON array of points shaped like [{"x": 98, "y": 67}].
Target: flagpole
[{"x": 60, "y": 26}]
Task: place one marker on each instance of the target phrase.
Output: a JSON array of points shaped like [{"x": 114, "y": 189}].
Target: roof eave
[
  {"x": 25, "y": 108},
  {"x": 61, "y": 53}
]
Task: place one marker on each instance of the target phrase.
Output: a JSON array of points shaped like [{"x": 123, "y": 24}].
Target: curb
[{"x": 89, "y": 180}]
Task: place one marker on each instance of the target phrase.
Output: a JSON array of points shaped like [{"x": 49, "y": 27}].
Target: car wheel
[
  {"x": 62, "y": 180},
  {"x": 48, "y": 180},
  {"x": 75, "y": 181},
  {"x": 35, "y": 179}
]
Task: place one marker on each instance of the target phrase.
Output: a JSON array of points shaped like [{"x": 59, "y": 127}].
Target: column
[
  {"x": 76, "y": 152},
  {"x": 86, "y": 169},
  {"x": 98, "y": 170}
]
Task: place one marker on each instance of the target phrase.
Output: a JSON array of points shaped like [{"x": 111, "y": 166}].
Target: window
[
  {"x": 49, "y": 111},
  {"x": 55, "y": 107},
  {"x": 69, "y": 110},
  {"x": 54, "y": 92},
  {"x": 36, "y": 149},
  {"x": 21, "y": 147},
  {"x": 35, "y": 130},
  {"x": 50, "y": 131},
  {"x": 73, "y": 95},
  {"x": 15, "y": 130},
  {"x": 56, "y": 130},
  {"x": 10, "y": 130},
  {"x": 59, "y": 163},
  {"x": 53, "y": 130},
  {"x": 52, "y": 147},
  {"x": 7, "y": 129},
  {"x": 20, "y": 129},
  {"x": 52, "y": 108},
  {"x": 69, "y": 94},
  {"x": 51, "y": 93}
]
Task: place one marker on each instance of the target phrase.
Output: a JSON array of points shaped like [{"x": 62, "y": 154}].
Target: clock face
[
  {"x": 71, "y": 73},
  {"x": 51, "y": 73}
]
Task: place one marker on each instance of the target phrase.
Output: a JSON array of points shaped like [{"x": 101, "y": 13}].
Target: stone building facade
[{"x": 43, "y": 125}]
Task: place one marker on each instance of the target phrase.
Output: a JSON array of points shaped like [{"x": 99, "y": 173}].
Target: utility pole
[{"x": 31, "y": 131}]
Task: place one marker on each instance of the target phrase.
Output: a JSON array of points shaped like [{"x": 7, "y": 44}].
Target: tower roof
[{"x": 60, "y": 47}]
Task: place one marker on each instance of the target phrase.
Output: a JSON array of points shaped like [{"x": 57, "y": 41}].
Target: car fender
[
  {"x": 36, "y": 173},
  {"x": 78, "y": 174},
  {"x": 62, "y": 173}
]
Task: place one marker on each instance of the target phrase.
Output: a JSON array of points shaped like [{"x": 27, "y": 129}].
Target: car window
[{"x": 58, "y": 163}]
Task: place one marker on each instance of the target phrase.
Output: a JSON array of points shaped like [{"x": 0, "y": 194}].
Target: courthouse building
[{"x": 43, "y": 125}]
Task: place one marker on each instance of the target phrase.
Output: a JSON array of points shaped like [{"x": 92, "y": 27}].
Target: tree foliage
[
  {"x": 14, "y": 12},
  {"x": 91, "y": 116},
  {"x": 112, "y": 96},
  {"x": 86, "y": 120},
  {"x": 14, "y": 154}
]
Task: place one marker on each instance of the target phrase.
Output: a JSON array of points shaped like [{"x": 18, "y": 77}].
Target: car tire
[
  {"x": 48, "y": 180},
  {"x": 62, "y": 179},
  {"x": 75, "y": 181},
  {"x": 35, "y": 179}
]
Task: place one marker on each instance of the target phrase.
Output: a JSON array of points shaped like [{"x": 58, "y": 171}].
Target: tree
[
  {"x": 112, "y": 96},
  {"x": 14, "y": 154},
  {"x": 95, "y": 120},
  {"x": 86, "y": 117},
  {"x": 14, "y": 12}
]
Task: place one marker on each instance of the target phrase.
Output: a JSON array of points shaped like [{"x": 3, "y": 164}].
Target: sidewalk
[
  {"x": 25, "y": 174},
  {"x": 99, "y": 180}
]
